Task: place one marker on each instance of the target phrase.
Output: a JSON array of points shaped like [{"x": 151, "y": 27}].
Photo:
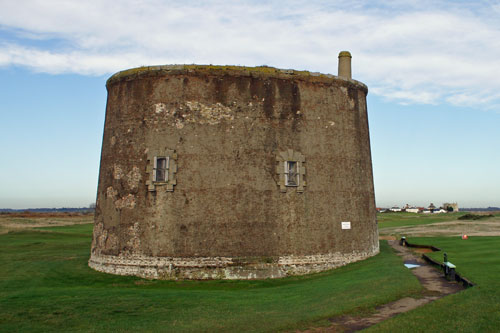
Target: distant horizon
[{"x": 377, "y": 206}]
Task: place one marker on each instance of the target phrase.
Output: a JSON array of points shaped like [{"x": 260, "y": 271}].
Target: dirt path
[
  {"x": 436, "y": 286},
  {"x": 430, "y": 278}
]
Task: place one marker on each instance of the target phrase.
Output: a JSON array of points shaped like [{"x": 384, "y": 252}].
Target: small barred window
[
  {"x": 292, "y": 176},
  {"x": 161, "y": 169},
  {"x": 291, "y": 170}
]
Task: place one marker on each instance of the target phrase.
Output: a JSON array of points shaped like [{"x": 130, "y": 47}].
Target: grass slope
[
  {"x": 476, "y": 309},
  {"x": 46, "y": 285}
]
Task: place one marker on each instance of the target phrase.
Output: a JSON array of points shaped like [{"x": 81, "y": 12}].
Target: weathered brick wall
[{"x": 227, "y": 126}]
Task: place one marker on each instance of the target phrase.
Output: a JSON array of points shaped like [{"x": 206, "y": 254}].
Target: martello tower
[{"x": 228, "y": 172}]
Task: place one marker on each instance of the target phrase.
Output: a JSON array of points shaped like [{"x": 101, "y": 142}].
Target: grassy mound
[{"x": 474, "y": 216}]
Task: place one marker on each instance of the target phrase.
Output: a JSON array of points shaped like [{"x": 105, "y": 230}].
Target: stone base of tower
[{"x": 206, "y": 268}]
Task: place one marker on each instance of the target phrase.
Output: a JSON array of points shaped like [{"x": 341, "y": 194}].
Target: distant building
[{"x": 450, "y": 207}]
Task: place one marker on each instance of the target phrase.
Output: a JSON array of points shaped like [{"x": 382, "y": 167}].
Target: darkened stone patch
[
  {"x": 220, "y": 89},
  {"x": 290, "y": 96},
  {"x": 352, "y": 92},
  {"x": 269, "y": 97}
]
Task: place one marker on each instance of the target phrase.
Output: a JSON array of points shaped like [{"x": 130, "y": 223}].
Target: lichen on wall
[
  {"x": 194, "y": 112},
  {"x": 127, "y": 201},
  {"x": 134, "y": 178}
]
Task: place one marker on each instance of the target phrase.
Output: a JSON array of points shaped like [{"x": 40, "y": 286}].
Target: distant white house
[{"x": 412, "y": 209}]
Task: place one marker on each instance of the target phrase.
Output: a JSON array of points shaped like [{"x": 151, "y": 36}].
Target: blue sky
[{"x": 432, "y": 70}]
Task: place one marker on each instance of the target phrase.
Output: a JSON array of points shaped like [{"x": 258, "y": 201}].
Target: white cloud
[{"x": 408, "y": 51}]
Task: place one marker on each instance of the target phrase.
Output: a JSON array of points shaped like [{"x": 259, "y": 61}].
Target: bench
[{"x": 449, "y": 270}]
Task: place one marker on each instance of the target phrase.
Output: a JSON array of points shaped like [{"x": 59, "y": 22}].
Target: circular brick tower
[{"x": 221, "y": 172}]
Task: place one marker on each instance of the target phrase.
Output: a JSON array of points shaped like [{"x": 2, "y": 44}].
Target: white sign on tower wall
[{"x": 346, "y": 225}]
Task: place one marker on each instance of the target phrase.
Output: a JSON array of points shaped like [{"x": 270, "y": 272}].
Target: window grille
[
  {"x": 161, "y": 169},
  {"x": 291, "y": 170},
  {"x": 292, "y": 176}
]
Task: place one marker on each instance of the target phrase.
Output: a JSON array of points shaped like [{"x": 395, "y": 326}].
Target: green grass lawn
[
  {"x": 46, "y": 285},
  {"x": 403, "y": 219},
  {"x": 476, "y": 309}
]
